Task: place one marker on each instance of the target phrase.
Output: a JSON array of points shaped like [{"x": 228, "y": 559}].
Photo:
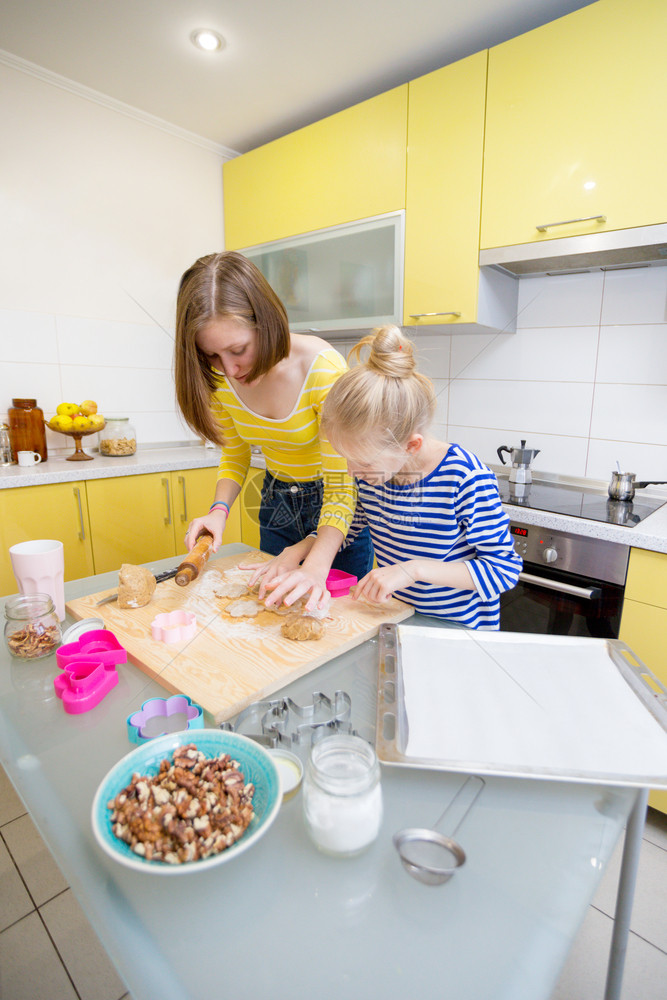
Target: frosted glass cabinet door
[{"x": 342, "y": 278}]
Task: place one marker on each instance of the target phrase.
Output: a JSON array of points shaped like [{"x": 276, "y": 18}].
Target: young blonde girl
[{"x": 440, "y": 535}]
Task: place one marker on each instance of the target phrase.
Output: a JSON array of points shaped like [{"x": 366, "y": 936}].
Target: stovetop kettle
[{"x": 521, "y": 459}]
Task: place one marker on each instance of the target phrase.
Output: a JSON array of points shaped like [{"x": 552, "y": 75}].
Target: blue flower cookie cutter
[{"x": 159, "y": 716}]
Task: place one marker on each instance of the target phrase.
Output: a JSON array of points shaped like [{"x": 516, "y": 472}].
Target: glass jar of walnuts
[
  {"x": 32, "y": 629},
  {"x": 118, "y": 438}
]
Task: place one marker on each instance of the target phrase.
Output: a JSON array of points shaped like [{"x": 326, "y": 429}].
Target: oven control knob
[{"x": 550, "y": 555}]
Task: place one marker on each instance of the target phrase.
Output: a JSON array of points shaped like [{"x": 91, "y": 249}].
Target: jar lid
[
  {"x": 290, "y": 769},
  {"x": 78, "y": 629},
  {"x": 24, "y": 402}
]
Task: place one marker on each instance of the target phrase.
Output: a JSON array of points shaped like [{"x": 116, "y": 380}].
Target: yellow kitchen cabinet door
[
  {"x": 443, "y": 199},
  {"x": 131, "y": 520},
  {"x": 193, "y": 491},
  {"x": 575, "y": 125},
  {"x": 647, "y": 578},
  {"x": 644, "y": 627},
  {"x": 249, "y": 501},
  {"x": 348, "y": 166},
  {"x": 59, "y": 511}
]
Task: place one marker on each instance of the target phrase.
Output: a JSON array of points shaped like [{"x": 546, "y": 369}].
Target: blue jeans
[{"x": 290, "y": 511}]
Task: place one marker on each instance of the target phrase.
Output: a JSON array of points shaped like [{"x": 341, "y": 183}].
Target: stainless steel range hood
[{"x": 643, "y": 247}]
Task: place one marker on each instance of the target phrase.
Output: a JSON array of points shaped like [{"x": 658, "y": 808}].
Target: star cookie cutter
[{"x": 160, "y": 716}]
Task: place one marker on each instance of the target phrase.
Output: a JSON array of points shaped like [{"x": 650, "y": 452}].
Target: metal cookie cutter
[{"x": 284, "y": 722}]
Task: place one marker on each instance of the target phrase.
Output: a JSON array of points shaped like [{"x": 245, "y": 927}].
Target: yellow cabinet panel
[
  {"x": 131, "y": 520},
  {"x": 60, "y": 511},
  {"x": 647, "y": 577},
  {"x": 250, "y": 500},
  {"x": 644, "y": 627},
  {"x": 444, "y": 183},
  {"x": 193, "y": 492},
  {"x": 345, "y": 167},
  {"x": 575, "y": 125}
]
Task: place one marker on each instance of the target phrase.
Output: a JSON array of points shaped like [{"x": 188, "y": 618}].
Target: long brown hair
[{"x": 217, "y": 286}]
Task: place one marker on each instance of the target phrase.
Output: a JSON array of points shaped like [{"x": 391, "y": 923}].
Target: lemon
[
  {"x": 96, "y": 421},
  {"x": 81, "y": 423},
  {"x": 67, "y": 409},
  {"x": 61, "y": 422},
  {"x": 88, "y": 407}
]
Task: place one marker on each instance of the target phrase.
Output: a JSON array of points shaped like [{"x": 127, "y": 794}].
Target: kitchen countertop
[
  {"x": 282, "y": 917},
  {"x": 649, "y": 534}
]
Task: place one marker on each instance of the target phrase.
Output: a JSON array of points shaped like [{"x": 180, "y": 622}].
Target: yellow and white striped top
[{"x": 294, "y": 447}]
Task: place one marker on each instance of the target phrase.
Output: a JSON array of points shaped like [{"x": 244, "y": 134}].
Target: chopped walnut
[
  {"x": 34, "y": 640},
  {"x": 193, "y": 808}
]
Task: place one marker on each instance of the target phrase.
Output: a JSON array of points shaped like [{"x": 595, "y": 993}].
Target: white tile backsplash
[
  {"x": 561, "y": 300},
  {"x": 637, "y": 295},
  {"x": 584, "y": 379}
]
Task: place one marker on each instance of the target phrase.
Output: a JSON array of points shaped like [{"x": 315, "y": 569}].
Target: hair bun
[{"x": 391, "y": 353}]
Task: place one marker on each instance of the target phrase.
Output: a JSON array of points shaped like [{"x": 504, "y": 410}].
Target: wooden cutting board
[{"x": 231, "y": 662}]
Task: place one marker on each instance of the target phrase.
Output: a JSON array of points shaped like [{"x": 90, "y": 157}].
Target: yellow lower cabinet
[
  {"x": 59, "y": 511},
  {"x": 131, "y": 520},
  {"x": 193, "y": 491},
  {"x": 644, "y": 627},
  {"x": 249, "y": 501}
]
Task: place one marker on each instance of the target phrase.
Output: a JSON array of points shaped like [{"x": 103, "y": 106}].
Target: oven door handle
[{"x": 588, "y": 593}]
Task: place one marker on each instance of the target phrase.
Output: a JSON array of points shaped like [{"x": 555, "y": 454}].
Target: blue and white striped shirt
[{"x": 452, "y": 514}]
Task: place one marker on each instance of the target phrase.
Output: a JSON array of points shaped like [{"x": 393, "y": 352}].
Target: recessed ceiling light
[{"x": 207, "y": 39}]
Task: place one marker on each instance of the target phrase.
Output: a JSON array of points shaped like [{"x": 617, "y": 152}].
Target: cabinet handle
[
  {"x": 165, "y": 483},
  {"x": 569, "y": 222},
  {"x": 421, "y": 315},
  {"x": 82, "y": 533},
  {"x": 184, "y": 515}
]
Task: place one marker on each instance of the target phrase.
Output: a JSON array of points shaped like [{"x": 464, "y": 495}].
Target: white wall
[
  {"x": 101, "y": 213},
  {"x": 584, "y": 378}
]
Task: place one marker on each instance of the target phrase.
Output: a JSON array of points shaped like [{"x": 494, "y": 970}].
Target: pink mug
[{"x": 39, "y": 568}]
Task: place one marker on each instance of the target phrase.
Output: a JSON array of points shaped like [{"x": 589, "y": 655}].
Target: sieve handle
[{"x": 460, "y": 805}]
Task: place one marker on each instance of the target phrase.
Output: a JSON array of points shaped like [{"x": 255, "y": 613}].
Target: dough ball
[
  {"x": 230, "y": 589},
  {"x": 244, "y": 608},
  {"x": 302, "y": 627},
  {"x": 135, "y": 586}
]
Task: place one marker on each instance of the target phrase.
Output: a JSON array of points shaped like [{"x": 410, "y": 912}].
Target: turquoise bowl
[{"x": 255, "y": 763}]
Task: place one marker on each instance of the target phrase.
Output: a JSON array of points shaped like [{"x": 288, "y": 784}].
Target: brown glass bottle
[{"x": 26, "y": 428}]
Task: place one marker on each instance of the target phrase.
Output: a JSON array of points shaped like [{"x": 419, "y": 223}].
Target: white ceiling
[{"x": 286, "y": 62}]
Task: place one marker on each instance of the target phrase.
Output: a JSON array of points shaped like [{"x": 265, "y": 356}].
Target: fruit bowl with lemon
[{"x": 77, "y": 421}]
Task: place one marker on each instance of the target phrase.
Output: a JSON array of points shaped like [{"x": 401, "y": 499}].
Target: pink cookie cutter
[
  {"x": 100, "y": 645},
  {"x": 84, "y": 683},
  {"x": 174, "y": 626},
  {"x": 339, "y": 583}
]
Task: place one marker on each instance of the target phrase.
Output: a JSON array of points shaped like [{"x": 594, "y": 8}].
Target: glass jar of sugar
[{"x": 342, "y": 795}]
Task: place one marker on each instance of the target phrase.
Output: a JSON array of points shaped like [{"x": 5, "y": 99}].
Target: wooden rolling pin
[{"x": 195, "y": 560}]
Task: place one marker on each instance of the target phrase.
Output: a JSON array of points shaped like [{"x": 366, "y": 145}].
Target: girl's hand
[
  {"x": 380, "y": 583},
  {"x": 289, "y": 587},
  {"x": 213, "y": 522},
  {"x": 286, "y": 562}
]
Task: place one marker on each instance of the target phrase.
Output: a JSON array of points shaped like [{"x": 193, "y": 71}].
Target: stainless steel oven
[{"x": 570, "y": 584}]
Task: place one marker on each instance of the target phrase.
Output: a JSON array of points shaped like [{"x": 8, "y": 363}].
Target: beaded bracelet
[{"x": 219, "y": 503}]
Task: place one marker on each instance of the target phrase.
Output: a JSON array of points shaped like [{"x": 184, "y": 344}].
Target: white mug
[
  {"x": 39, "y": 568},
  {"x": 28, "y": 457}
]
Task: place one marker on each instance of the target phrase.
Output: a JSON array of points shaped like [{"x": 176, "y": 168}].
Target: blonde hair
[
  {"x": 217, "y": 286},
  {"x": 383, "y": 398}
]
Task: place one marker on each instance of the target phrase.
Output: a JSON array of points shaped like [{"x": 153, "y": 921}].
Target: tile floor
[{"x": 40, "y": 920}]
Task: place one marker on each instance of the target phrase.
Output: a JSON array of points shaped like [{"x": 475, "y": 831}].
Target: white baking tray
[{"x": 520, "y": 705}]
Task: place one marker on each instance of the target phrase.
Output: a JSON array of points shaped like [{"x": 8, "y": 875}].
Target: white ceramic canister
[{"x": 342, "y": 795}]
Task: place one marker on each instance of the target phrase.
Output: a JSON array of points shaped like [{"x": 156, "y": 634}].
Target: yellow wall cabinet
[
  {"x": 345, "y": 167},
  {"x": 644, "y": 621},
  {"x": 443, "y": 283},
  {"x": 575, "y": 125},
  {"x": 58, "y": 511}
]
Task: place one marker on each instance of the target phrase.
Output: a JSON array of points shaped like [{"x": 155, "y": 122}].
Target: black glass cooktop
[{"x": 577, "y": 501}]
